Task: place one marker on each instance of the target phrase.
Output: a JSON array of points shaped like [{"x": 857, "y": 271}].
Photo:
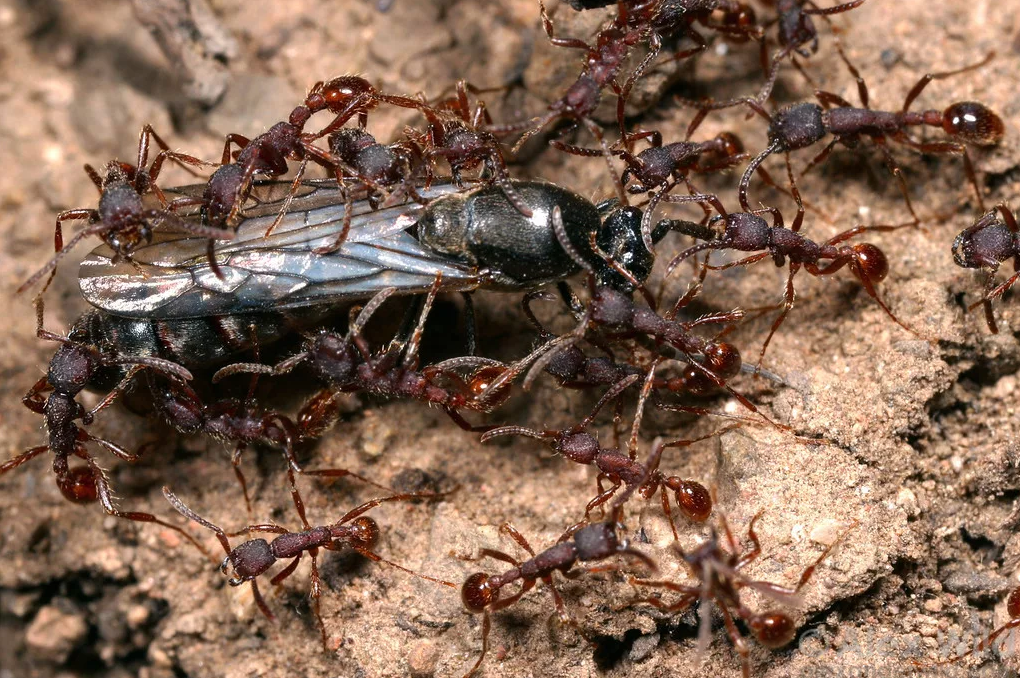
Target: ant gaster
[
  {"x": 987, "y": 244},
  {"x": 253, "y": 558}
]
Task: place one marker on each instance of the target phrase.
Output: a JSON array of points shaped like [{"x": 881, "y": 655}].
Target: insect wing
[{"x": 171, "y": 277}]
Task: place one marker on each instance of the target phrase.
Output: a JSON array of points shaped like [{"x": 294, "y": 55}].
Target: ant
[
  {"x": 121, "y": 219},
  {"x": 796, "y": 31},
  {"x": 717, "y": 569},
  {"x": 801, "y": 125},
  {"x": 636, "y": 21},
  {"x": 253, "y": 558},
  {"x": 244, "y": 422},
  {"x": 987, "y": 244},
  {"x": 466, "y": 144},
  {"x": 581, "y": 447},
  {"x": 580, "y": 543},
  {"x": 663, "y": 167},
  {"x": 748, "y": 232},
  {"x": 73, "y": 366},
  {"x": 1012, "y": 609},
  {"x": 379, "y": 167},
  {"x": 347, "y": 364}
]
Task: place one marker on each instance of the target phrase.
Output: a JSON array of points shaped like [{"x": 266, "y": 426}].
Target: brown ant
[
  {"x": 121, "y": 219},
  {"x": 717, "y": 570},
  {"x": 253, "y": 558},
  {"x": 347, "y": 364},
  {"x": 796, "y": 31},
  {"x": 466, "y": 144},
  {"x": 72, "y": 368},
  {"x": 748, "y": 232},
  {"x": 804, "y": 124},
  {"x": 1012, "y": 609},
  {"x": 244, "y": 422},
  {"x": 637, "y": 21},
  {"x": 581, "y": 447},
  {"x": 350, "y": 95},
  {"x": 579, "y": 544},
  {"x": 987, "y": 244}
]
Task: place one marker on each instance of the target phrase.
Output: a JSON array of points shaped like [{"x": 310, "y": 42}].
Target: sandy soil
[{"x": 922, "y": 447}]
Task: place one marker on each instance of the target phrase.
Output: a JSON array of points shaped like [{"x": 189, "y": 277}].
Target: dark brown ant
[
  {"x": 1012, "y": 609},
  {"x": 253, "y": 558},
  {"x": 350, "y": 95},
  {"x": 579, "y": 544},
  {"x": 801, "y": 125},
  {"x": 244, "y": 422},
  {"x": 748, "y": 232},
  {"x": 796, "y": 31},
  {"x": 388, "y": 170},
  {"x": 987, "y": 244},
  {"x": 347, "y": 364},
  {"x": 72, "y": 368},
  {"x": 579, "y": 446},
  {"x": 648, "y": 21},
  {"x": 121, "y": 219},
  {"x": 717, "y": 570},
  {"x": 465, "y": 144}
]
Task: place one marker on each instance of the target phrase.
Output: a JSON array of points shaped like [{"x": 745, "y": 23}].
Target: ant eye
[{"x": 973, "y": 123}]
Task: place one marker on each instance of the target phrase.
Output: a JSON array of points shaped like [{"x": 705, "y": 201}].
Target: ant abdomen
[
  {"x": 477, "y": 593},
  {"x": 871, "y": 261},
  {"x": 78, "y": 485},
  {"x": 973, "y": 123},
  {"x": 692, "y": 497},
  {"x": 772, "y": 629},
  {"x": 363, "y": 533}
]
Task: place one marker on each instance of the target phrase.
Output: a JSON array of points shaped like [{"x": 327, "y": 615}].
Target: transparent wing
[{"x": 171, "y": 277}]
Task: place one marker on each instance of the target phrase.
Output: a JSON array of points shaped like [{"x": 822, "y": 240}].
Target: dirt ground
[{"x": 922, "y": 451}]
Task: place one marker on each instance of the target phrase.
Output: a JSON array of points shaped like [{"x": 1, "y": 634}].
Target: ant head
[
  {"x": 870, "y": 262},
  {"x": 986, "y": 244},
  {"x": 71, "y": 367},
  {"x": 580, "y": 447},
  {"x": 477, "y": 593},
  {"x": 973, "y": 123},
  {"x": 78, "y": 485},
  {"x": 249, "y": 560},
  {"x": 741, "y": 23},
  {"x": 364, "y": 533},
  {"x": 332, "y": 356},
  {"x": 772, "y": 629},
  {"x": 692, "y": 498},
  {"x": 620, "y": 238}
]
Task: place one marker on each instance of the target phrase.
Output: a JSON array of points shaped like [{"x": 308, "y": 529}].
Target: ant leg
[
  {"x": 547, "y": 25},
  {"x": 486, "y": 627},
  {"x": 514, "y": 533},
  {"x": 890, "y": 162},
  {"x": 316, "y": 594},
  {"x": 235, "y": 460},
  {"x": 25, "y": 456},
  {"x": 60, "y": 248},
  {"x": 916, "y": 90},
  {"x": 291, "y": 192},
  {"x": 739, "y": 643}
]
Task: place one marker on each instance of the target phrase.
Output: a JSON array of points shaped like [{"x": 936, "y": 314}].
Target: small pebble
[{"x": 53, "y": 634}]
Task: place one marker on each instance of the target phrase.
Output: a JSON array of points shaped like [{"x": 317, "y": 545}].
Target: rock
[{"x": 53, "y": 634}]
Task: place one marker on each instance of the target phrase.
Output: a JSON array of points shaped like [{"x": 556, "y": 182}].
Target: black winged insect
[{"x": 168, "y": 302}]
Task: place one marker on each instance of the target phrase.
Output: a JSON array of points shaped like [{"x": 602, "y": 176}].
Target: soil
[{"x": 918, "y": 469}]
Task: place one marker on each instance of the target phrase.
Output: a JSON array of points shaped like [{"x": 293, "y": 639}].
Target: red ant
[
  {"x": 581, "y": 543},
  {"x": 748, "y": 232},
  {"x": 717, "y": 570},
  {"x": 253, "y": 558},
  {"x": 350, "y": 95},
  {"x": 347, "y": 364},
  {"x": 72, "y": 368},
  {"x": 987, "y": 244},
  {"x": 121, "y": 220},
  {"x": 802, "y": 125},
  {"x": 1012, "y": 609}
]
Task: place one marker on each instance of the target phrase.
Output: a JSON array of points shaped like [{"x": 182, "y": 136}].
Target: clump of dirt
[{"x": 902, "y": 445}]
